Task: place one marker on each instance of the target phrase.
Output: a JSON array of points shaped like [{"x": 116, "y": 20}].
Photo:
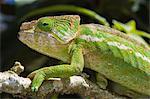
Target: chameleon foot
[
  {"x": 34, "y": 89},
  {"x": 39, "y": 77}
]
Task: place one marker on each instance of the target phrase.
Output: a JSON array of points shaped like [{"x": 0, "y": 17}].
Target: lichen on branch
[{"x": 18, "y": 86}]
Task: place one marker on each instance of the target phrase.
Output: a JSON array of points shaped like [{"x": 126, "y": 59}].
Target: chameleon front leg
[{"x": 62, "y": 71}]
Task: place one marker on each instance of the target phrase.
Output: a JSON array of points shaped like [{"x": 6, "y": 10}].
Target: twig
[
  {"x": 67, "y": 8},
  {"x": 11, "y": 83}
]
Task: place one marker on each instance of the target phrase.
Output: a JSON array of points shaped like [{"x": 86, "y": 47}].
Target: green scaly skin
[{"x": 109, "y": 52}]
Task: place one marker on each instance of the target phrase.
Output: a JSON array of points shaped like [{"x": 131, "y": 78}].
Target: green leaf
[{"x": 129, "y": 28}]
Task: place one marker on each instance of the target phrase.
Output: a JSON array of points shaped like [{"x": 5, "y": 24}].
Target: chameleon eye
[{"x": 45, "y": 24}]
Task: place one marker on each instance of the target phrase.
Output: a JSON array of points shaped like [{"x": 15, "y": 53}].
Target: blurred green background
[{"x": 12, "y": 11}]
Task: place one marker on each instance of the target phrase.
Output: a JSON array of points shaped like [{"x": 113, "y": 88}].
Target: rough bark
[{"x": 18, "y": 86}]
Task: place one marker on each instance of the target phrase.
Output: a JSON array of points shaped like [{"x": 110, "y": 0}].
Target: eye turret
[{"x": 45, "y": 24}]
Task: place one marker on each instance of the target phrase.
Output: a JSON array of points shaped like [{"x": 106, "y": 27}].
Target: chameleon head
[
  {"x": 63, "y": 28},
  {"x": 50, "y": 35}
]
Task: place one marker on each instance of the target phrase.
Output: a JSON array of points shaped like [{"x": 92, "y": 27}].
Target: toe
[{"x": 34, "y": 89}]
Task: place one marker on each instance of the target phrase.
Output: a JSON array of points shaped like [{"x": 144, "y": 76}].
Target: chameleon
[{"x": 113, "y": 55}]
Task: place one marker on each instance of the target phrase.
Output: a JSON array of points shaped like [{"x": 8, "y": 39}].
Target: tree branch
[{"x": 11, "y": 83}]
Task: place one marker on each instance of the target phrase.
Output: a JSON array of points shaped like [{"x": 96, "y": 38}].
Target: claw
[
  {"x": 34, "y": 89},
  {"x": 37, "y": 81}
]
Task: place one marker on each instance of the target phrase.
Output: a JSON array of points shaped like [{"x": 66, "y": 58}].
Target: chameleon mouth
[
  {"x": 35, "y": 38},
  {"x": 26, "y": 34},
  {"x": 27, "y": 31},
  {"x": 26, "y": 37},
  {"x": 39, "y": 39}
]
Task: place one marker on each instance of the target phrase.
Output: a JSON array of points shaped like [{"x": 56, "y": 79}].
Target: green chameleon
[{"x": 113, "y": 55}]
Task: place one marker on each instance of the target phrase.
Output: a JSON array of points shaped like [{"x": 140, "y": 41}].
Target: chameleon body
[{"x": 107, "y": 51}]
